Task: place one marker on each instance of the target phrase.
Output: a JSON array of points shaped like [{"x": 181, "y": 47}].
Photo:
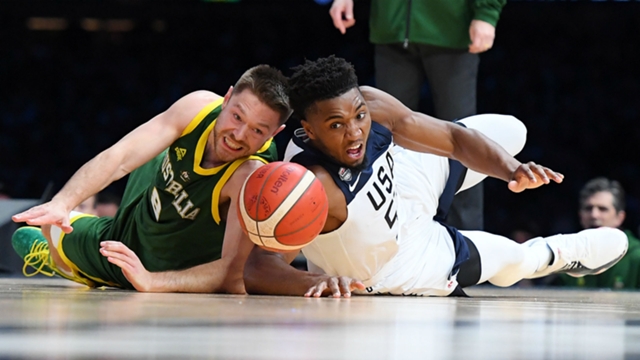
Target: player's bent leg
[
  {"x": 503, "y": 262},
  {"x": 589, "y": 252},
  {"x": 505, "y": 130}
]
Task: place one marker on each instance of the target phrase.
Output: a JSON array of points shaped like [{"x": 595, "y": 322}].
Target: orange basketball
[{"x": 282, "y": 206}]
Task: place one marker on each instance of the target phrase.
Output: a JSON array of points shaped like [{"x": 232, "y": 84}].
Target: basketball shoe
[
  {"x": 33, "y": 248},
  {"x": 589, "y": 252}
]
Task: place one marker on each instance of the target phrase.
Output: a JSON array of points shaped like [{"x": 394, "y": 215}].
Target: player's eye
[
  {"x": 361, "y": 115},
  {"x": 257, "y": 131},
  {"x": 335, "y": 125}
]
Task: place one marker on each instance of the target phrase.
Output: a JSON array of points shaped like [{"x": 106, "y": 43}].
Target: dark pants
[{"x": 452, "y": 76}]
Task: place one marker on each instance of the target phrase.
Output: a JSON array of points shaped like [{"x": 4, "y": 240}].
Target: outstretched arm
[
  {"x": 269, "y": 273},
  {"x": 423, "y": 133},
  {"x": 118, "y": 160}
]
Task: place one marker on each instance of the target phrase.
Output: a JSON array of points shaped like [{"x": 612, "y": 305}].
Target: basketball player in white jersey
[{"x": 390, "y": 174}]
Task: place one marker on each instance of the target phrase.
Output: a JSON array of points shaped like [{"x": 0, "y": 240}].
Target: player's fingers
[
  {"x": 515, "y": 186},
  {"x": 344, "y": 288},
  {"x": 529, "y": 174},
  {"x": 120, "y": 263},
  {"x": 320, "y": 289},
  {"x": 357, "y": 284},
  {"x": 556, "y": 176},
  {"x": 67, "y": 229},
  {"x": 42, "y": 220},
  {"x": 336, "y": 288},
  {"x": 120, "y": 252},
  {"x": 23, "y": 216},
  {"x": 310, "y": 291},
  {"x": 119, "y": 247},
  {"x": 540, "y": 171},
  {"x": 65, "y": 225},
  {"x": 115, "y": 254}
]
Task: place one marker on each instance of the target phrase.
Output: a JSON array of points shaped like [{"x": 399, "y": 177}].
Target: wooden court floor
[{"x": 54, "y": 319}]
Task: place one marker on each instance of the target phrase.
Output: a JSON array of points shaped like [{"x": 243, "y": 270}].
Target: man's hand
[
  {"x": 341, "y": 8},
  {"x": 51, "y": 213},
  {"x": 531, "y": 176},
  {"x": 335, "y": 285},
  {"x": 482, "y": 35},
  {"x": 119, "y": 254}
]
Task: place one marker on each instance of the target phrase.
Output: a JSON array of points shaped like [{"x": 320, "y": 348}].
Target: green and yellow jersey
[{"x": 169, "y": 215}]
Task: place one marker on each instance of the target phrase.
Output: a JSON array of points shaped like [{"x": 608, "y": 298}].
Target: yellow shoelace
[{"x": 39, "y": 253}]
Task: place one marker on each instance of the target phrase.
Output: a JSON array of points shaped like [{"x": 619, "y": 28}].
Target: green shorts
[{"x": 80, "y": 250}]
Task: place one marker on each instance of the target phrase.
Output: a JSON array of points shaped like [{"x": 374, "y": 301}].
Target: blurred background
[{"x": 77, "y": 75}]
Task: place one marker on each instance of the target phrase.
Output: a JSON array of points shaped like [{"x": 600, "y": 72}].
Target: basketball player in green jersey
[{"x": 178, "y": 211}]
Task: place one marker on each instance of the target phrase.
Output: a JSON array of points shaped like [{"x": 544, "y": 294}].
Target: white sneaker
[{"x": 589, "y": 252}]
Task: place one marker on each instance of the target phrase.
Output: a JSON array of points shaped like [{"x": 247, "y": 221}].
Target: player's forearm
[
  {"x": 213, "y": 277},
  {"x": 477, "y": 152},
  {"x": 92, "y": 177}
]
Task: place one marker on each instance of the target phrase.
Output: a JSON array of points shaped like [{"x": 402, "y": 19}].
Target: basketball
[{"x": 282, "y": 206}]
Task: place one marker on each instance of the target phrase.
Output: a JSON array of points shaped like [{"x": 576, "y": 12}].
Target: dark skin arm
[
  {"x": 423, "y": 133},
  {"x": 269, "y": 273}
]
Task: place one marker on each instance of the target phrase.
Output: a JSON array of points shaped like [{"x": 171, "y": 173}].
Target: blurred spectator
[
  {"x": 107, "y": 204},
  {"x": 88, "y": 206},
  {"x": 602, "y": 203},
  {"x": 104, "y": 203}
]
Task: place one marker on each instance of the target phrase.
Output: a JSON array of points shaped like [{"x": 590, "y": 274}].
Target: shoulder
[
  {"x": 195, "y": 101},
  {"x": 244, "y": 170},
  {"x": 236, "y": 180},
  {"x": 384, "y": 109},
  {"x": 188, "y": 106}
]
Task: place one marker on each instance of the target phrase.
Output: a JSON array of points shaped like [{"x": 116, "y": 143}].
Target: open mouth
[
  {"x": 356, "y": 151},
  {"x": 231, "y": 144}
]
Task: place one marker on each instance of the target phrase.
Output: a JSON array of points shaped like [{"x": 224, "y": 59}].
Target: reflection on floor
[{"x": 54, "y": 319}]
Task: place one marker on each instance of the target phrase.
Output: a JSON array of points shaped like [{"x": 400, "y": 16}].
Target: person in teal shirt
[
  {"x": 602, "y": 203},
  {"x": 438, "y": 40}
]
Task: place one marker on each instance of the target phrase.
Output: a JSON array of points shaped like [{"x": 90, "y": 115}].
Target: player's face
[
  {"x": 243, "y": 126},
  {"x": 339, "y": 127},
  {"x": 598, "y": 210}
]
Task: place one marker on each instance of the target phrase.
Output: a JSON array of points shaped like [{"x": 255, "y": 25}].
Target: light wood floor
[{"x": 55, "y": 319}]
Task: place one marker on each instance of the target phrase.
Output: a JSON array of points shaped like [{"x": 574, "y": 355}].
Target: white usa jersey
[
  {"x": 372, "y": 209},
  {"x": 389, "y": 240}
]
